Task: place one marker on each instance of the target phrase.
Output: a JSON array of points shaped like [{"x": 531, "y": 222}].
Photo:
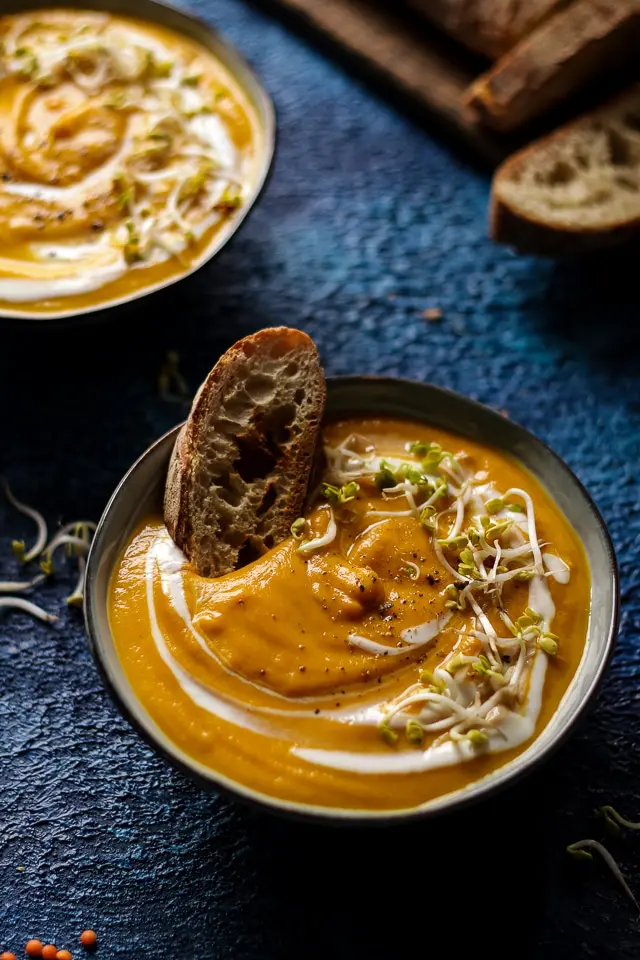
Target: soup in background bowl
[
  {"x": 437, "y": 620},
  {"x": 129, "y": 152}
]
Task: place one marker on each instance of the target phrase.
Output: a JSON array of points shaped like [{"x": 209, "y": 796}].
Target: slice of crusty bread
[
  {"x": 241, "y": 464},
  {"x": 490, "y": 27},
  {"x": 575, "y": 190},
  {"x": 566, "y": 52}
]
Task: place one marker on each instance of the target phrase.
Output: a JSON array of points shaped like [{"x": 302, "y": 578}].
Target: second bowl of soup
[{"x": 131, "y": 147}]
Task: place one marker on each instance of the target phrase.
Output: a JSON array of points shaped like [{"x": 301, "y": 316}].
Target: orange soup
[
  {"x": 125, "y": 150},
  {"x": 417, "y": 630}
]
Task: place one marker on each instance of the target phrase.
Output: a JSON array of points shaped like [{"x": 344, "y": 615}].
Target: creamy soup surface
[
  {"x": 417, "y": 630},
  {"x": 125, "y": 150}
]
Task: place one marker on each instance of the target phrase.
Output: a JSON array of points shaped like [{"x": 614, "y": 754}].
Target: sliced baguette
[
  {"x": 490, "y": 27},
  {"x": 566, "y": 52},
  {"x": 575, "y": 190},
  {"x": 240, "y": 468}
]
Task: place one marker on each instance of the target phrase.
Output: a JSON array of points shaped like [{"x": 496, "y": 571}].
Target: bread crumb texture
[
  {"x": 248, "y": 449},
  {"x": 586, "y": 177}
]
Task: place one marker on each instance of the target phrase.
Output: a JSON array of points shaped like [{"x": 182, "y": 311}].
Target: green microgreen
[
  {"x": 414, "y": 732},
  {"x": 388, "y": 735},
  {"x": 339, "y": 495},
  {"x": 298, "y": 528},
  {"x": 477, "y": 737}
]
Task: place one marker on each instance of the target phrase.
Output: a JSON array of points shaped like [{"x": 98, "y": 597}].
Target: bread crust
[
  {"x": 567, "y": 51},
  {"x": 490, "y": 27},
  {"x": 211, "y": 446},
  {"x": 531, "y": 234}
]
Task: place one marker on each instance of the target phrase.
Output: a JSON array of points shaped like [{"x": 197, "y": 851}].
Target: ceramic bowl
[
  {"x": 182, "y": 21},
  {"x": 140, "y": 493}
]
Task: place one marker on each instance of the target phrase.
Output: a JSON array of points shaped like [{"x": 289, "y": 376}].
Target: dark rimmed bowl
[
  {"x": 140, "y": 492},
  {"x": 181, "y": 20}
]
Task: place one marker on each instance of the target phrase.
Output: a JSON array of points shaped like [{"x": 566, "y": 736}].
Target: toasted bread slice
[
  {"x": 569, "y": 50},
  {"x": 240, "y": 468},
  {"x": 575, "y": 190}
]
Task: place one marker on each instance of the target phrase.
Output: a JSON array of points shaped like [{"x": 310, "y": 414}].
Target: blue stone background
[{"x": 367, "y": 221}]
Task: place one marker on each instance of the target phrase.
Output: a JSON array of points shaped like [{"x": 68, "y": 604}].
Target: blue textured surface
[{"x": 366, "y": 222}]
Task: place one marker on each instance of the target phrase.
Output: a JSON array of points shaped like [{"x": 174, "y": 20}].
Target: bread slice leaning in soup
[
  {"x": 241, "y": 464},
  {"x": 575, "y": 190}
]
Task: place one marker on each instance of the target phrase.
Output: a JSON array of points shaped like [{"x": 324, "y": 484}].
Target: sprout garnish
[
  {"x": 414, "y": 732},
  {"x": 76, "y": 598},
  {"x": 19, "y": 586},
  {"x": 611, "y": 816},
  {"x": 74, "y": 536},
  {"x": 412, "y": 570},
  {"x": 418, "y": 448},
  {"x": 309, "y": 546},
  {"x": 549, "y": 645},
  {"x": 388, "y": 735},
  {"x": 18, "y": 546},
  {"x": 581, "y": 851},
  {"x": 477, "y": 737},
  {"x": 17, "y": 603},
  {"x": 298, "y": 528},
  {"x": 340, "y": 495},
  {"x": 385, "y": 476},
  {"x": 480, "y": 551}
]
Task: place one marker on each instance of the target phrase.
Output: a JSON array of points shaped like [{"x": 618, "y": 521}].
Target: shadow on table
[
  {"x": 449, "y": 885},
  {"x": 494, "y": 878},
  {"x": 592, "y": 307},
  {"x": 87, "y": 390}
]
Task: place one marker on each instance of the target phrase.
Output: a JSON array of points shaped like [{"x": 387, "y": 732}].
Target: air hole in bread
[
  {"x": 253, "y": 461},
  {"x": 248, "y": 553},
  {"x": 627, "y": 183},
  {"x": 559, "y": 173},
  {"x": 620, "y": 152},
  {"x": 228, "y": 489},
  {"x": 277, "y": 424},
  {"x": 238, "y": 407},
  {"x": 291, "y": 370},
  {"x": 582, "y": 159},
  {"x": 230, "y": 495},
  {"x": 267, "y": 501},
  {"x": 298, "y": 396},
  {"x": 268, "y": 541},
  {"x": 260, "y": 388},
  {"x": 227, "y": 427},
  {"x": 235, "y": 539}
]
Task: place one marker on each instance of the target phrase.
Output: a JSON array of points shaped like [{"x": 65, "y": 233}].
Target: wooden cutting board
[{"x": 398, "y": 47}]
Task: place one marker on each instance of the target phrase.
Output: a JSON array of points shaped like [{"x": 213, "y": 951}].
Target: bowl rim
[
  {"x": 249, "y": 82},
  {"x": 505, "y": 775}
]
